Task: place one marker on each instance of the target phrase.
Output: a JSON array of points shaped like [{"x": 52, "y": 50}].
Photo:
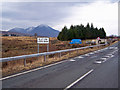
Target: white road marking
[
  {"x": 91, "y": 53},
  {"x": 103, "y": 58},
  {"x": 72, "y": 60},
  {"x": 98, "y": 50},
  {"x": 112, "y": 56},
  {"x": 95, "y": 51},
  {"x": 98, "y": 61},
  {"x": 116, "y": 47},
  {"x": 79, "y": 79},
  {"x": 106, "y": 48},
  {"x": 80, "y": 57},
  {"x": 93, "y": 56},
  {"x": 86, "y": 55},
  {"x": 114, "y": 51},
  {"x": 111, "y": 47},
  {"x": 32, "y": 70},
  {"x": 109, "y": 54}
]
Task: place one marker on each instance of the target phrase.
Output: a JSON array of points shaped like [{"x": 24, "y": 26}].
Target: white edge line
[
  {"x": 79, "y": 57},
  {"x": 31, "y": 70},
  {"x": 86, "y": 55},
  {"x": 72, "y": 60},
  {"x": 72, "y": 84}
]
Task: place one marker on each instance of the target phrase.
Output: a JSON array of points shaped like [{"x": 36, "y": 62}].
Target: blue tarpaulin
[{"x": 76, "y": 41}]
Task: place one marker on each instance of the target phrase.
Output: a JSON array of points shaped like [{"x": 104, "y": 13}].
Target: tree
[
  {"x": 88, "y": 26},
  {"x": 5, "y": 35},
  {"x": 62, "y": 34},
  {"x": 104, "y": 33},
  {"x": 88, "y": 31},
  {"x": 81, "y": 32},
  {"x": 92, "y": 27}
]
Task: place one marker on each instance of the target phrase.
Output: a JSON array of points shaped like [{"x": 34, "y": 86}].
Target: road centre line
[{"x": 79, "y": 79}]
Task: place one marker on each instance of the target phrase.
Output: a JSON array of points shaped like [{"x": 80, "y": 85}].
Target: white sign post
[{"x": 43, "y": 41}]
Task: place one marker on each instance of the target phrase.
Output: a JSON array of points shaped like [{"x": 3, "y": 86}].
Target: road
[{"x": 77, "y": 72}]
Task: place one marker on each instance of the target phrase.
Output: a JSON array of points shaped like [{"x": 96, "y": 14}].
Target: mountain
[
  {"x": 29, "y": 29},
  {"x": 44, "y": 30},
  {"x": 41, "y": 30},
  {"x": 19, "y": 30}
]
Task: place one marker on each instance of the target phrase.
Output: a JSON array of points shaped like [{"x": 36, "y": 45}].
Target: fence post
[
  {"x": 38, "y": 47},
  {"x": 60, "y": 55},
  {"x": 25, "y": 62},
  {"x": 44, "y": 57},
  {"x": 69, "y": 52},
  {"x": 77, "y": 52}
]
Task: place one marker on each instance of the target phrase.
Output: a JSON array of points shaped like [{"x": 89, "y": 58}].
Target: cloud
[
  {"x": 101, "y": 14},
  {"x": 59, "y": 14},
  {"x": 34, "y": 13},
  {"x": 57, "y": 0}
]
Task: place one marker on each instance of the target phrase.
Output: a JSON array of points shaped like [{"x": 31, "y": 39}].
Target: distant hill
[
  {"x": 19, "y": 30},
  {"x": 7, "y": 33},
  {"x": 41, "y": 30}
]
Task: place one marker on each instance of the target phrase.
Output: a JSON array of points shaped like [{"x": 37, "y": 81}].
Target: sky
[{"x": 57, "y": 14}]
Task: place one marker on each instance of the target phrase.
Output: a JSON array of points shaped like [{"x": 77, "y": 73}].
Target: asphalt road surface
[{"x": 78, "y": 72}]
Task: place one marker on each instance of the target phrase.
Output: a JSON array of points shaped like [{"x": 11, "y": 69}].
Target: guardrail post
[
  {"x": 91, "y": 47},
  {"x": 25, "y": 62},
  {"x": 69, "y": 52},
  {"x": 60, "y": 55},
  {"x": 38, "y": 58},
  {"x": 44, "y": 57}
]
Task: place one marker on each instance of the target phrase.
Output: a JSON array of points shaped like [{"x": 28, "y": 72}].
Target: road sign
[
  {"x": 43, "y": 40},
  {"x": 98, "y": 38}
]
